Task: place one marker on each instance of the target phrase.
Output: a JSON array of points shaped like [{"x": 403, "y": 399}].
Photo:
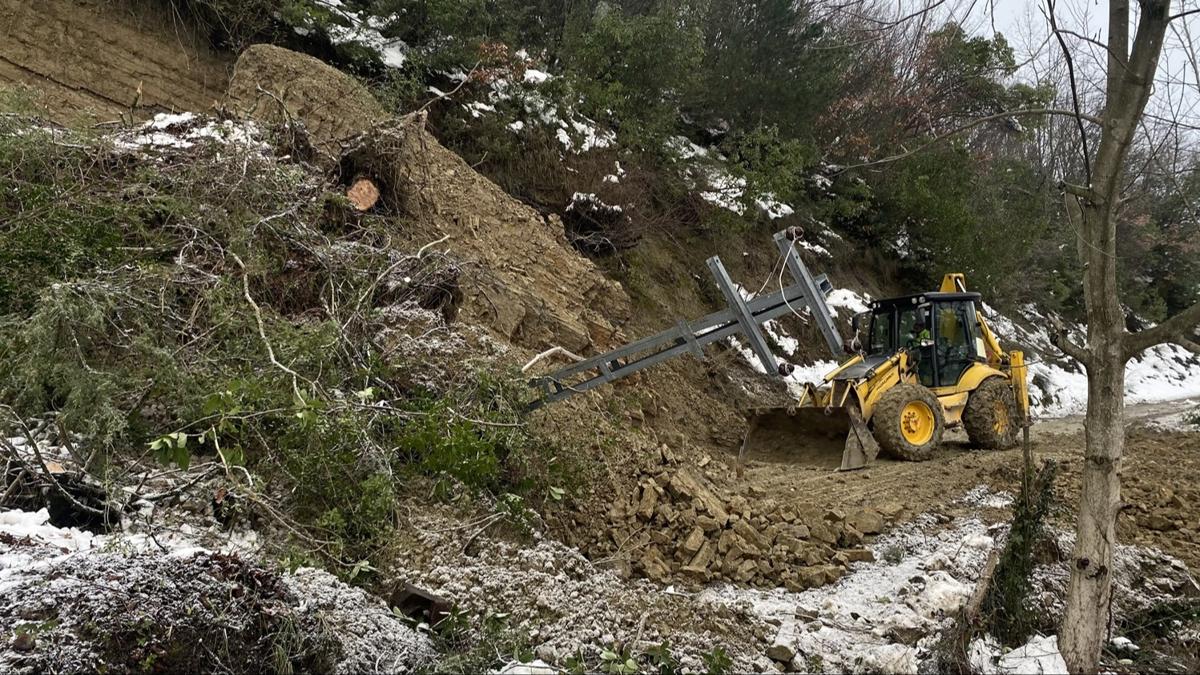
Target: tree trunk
[
  {"x": 1085, "y": 622},
  {"x": 1089, "y": 593},
  {"x": 1093, "y": 211}
]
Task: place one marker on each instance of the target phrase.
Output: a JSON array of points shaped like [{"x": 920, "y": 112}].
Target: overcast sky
[{"x": 1024, "y": 24}]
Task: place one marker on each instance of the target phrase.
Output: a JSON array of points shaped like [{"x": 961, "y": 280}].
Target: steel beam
[{"x": 814, "y": 297}]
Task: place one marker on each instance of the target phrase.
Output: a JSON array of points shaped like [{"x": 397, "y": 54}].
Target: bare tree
[
  {"x": 1125, "y": 76},
  {"x": 1093, "y": 209}
]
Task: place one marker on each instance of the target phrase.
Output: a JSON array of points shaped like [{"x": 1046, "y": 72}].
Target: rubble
[
  {"x": 687, "y": 531},
  {"x": 572, "y": 607}
]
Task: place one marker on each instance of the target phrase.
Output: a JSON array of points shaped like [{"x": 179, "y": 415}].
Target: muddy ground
[{"x": 1159, "y": 473}]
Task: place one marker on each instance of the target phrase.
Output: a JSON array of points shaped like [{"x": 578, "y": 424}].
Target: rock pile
[{"x": 676, "y": 527}]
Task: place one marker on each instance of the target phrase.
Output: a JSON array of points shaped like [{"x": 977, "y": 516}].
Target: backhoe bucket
[{"x": 810, "y": 435}]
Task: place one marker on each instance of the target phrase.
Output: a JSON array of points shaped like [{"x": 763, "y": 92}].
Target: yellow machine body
[{"x": 846, "y": 401}]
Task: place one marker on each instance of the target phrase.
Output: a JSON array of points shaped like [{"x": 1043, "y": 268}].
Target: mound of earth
[
  {"x": 100, "y": 60},
  {"x": 525, "y": 282},
  {"x": 278, "y": 85}
]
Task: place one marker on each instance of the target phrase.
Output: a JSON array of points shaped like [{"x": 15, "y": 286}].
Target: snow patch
[
  {"x": 1039, "y": 655},
  {"x": 717, "y": 186},
  {"x": 365, "y": 32},
  {"x": 883, "y": 616},
  {"x": 534, "y": 76},
  {"x": 844, "y": 298},
  {"x": 589, "y": 199},
  {"x": 185, "y": 130}
]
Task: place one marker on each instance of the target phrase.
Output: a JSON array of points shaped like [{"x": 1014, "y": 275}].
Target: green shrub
[
  {"x": 1006, "y": 610},
  {"x": 212, "y": 313}
]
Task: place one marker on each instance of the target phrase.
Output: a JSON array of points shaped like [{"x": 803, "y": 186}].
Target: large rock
[
  {"x": 276, "y": 85},
  {"x": 867, "y": 521},
  {"x": 654, "y": 566},
  {"x": 752, "y": 536},
  {"x": 694, "y": 541},
  {"x": 648, "y": 502},
  {"x": 686, "y": 485}
]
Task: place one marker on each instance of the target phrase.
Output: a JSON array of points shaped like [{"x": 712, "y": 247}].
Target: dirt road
[{"x": 1160, "y": 478}]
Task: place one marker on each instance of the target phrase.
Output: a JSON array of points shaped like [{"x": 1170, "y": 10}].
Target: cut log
[
  {"x": 363, "y": 194},
  {"x": 981, "y": 587}
]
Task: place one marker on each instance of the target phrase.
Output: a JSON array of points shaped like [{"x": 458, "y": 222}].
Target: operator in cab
[{"x": 919, "y": 337}]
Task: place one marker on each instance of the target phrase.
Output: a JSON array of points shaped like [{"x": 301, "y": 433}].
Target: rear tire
[
  {"x": 991, "y": 417},
  {"x": 909, "y": 422}
]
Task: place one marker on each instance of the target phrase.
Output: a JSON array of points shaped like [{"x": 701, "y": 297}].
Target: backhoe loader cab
[
  {"x": 926, "y": 362},
  {"x": 939, "y": 330}
]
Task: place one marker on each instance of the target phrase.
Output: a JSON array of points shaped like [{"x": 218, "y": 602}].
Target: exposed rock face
[
  {"x": 277, "y": 85},
  {"x": 89, "y": 58}
]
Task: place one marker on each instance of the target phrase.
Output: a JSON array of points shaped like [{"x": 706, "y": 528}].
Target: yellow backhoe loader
[{"x": 927, "y": 362}]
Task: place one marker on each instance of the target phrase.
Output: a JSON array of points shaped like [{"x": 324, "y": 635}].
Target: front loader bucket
[{"x": 810, "y": 435}]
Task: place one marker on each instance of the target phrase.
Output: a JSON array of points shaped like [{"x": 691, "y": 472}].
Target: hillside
[{"x": 285, "y": 428}]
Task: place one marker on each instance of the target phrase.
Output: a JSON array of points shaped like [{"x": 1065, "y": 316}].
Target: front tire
[
  {"x": 909, "y": 422},
  {"x": 991, "y": 417}
]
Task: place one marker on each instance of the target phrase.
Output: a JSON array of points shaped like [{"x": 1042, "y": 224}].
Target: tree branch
[
  {"x": 1190, "y": 345},
  {"x": 1080, "y": 191},
  {"x": 1059, "y": 337},
  {"x": 1175, "y": 329},
  {"x": 1062, "y": 43},
  {"x": 1030, "y": 112}
]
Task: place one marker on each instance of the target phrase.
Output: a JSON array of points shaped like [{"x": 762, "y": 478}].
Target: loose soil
[{"x": 93, "y": 60}]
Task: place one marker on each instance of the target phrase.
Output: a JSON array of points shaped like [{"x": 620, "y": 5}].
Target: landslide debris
[
  {"x": 530, "y": 286},
  {"x": 566, "y": 607},
  {"x": 527, "y": 283},
  {"x": 679, "y": 527},
  {"x": 278, "y": 86}
]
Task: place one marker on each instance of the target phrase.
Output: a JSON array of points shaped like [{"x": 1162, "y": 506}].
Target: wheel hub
[
  {"x": 917, "y": 423},
  {"x": 1002, "y": 422}
]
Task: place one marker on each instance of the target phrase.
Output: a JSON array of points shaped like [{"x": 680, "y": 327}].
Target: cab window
[
  {"x": 918, "y": 341},
  {"x": 909, "y": 335},
  {"x": 955, "y": 340},
  {"x": 880, "y": 341}
]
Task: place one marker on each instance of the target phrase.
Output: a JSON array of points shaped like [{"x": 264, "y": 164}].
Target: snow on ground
[
  {"x": 71, "y": 590},
  {"x": 1038, "y": 656},
  {"x": 889, "y": 615},
  {"x": 180, "y": 540},
  {"x": 883, "y": 616},
  {"x": 1186, "y": 419},
  {"x": 568, "y": 606},
  {"x": 185, "y": 130},
  {"x": 1059, "y": 385}
]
